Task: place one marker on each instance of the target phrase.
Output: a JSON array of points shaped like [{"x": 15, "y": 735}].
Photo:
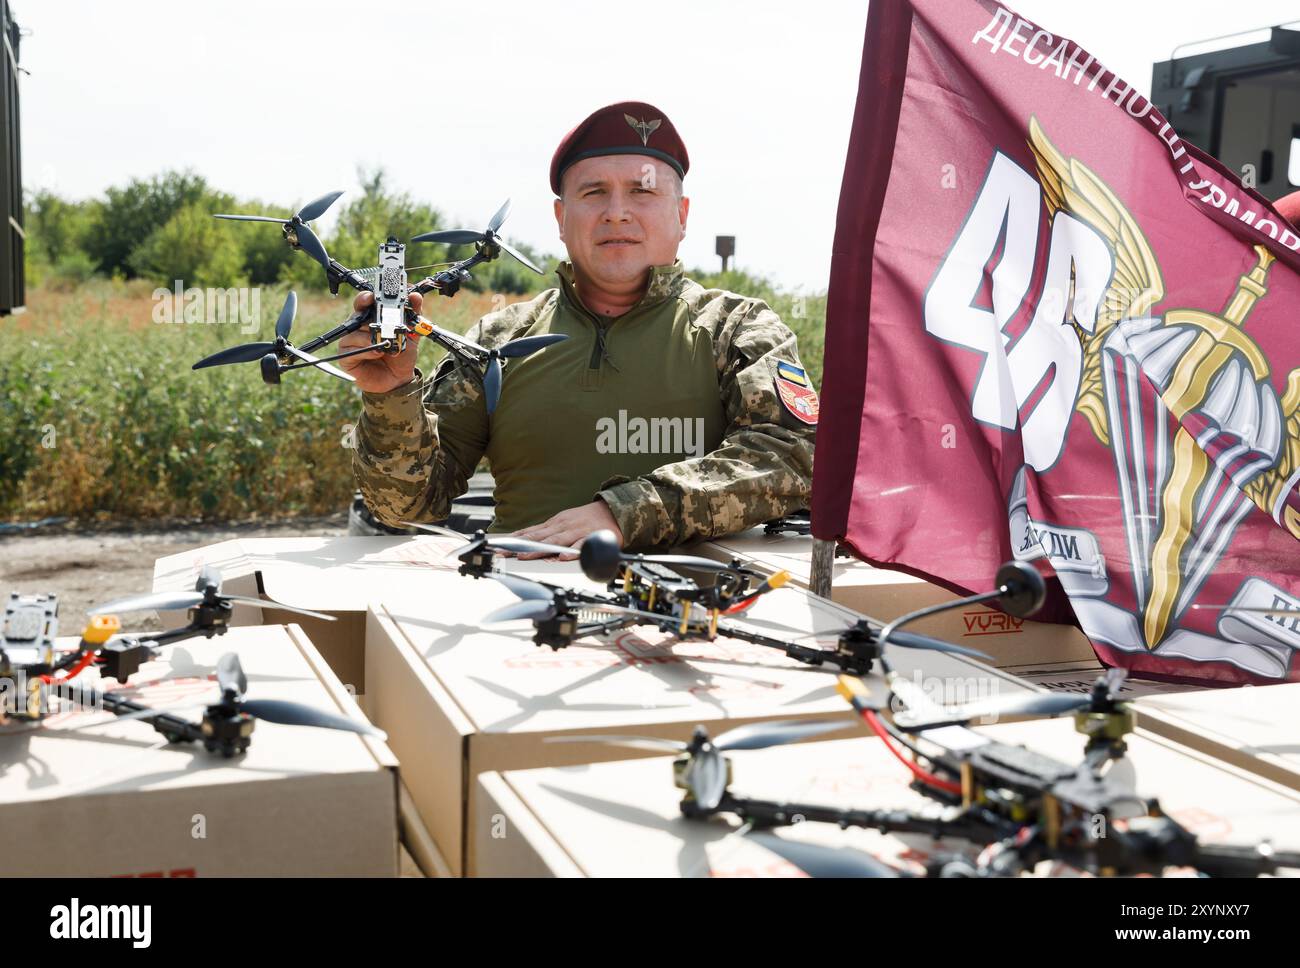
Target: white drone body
[{"x": 390, "y": 294}]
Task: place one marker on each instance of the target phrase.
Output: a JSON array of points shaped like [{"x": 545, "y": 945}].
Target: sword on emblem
[{"x": 1213, "y": 380}]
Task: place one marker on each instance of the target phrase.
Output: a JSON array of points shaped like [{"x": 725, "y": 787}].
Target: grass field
[{"x": 101, "y": 417}]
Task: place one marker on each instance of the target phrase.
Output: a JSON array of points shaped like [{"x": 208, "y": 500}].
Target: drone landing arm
[
  {"x": 338, "y": 332},
  {"x": 172, "y": 727},
  {"x": 968, "y": 825},
  {"x": 803, "y": 653}
]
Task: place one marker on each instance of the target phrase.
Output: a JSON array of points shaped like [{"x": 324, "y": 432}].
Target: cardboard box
[
  {"x": 457, "y": 701},
  {"x": 622, "y": 819},
  {"x": 338, "y": 576},
  {"x": 1255, "y": 728},
  {"x": 884, "y": 595},
  {"x": 1080, "y": 676},
  {"x": 117, "y": 800}
]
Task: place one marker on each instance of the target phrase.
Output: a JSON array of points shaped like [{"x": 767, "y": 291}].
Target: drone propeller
[
  {"x": 601, "y": 557},
  {"x": 1103, "y": 699},
  {"x": 537, "y": 603},
  {"x": 230, "y": 675},
  {"x": 705, "y": 775},
  {"x": 296, "y": 225},
  {"x": 234, "y": 683},
  {"x": 535, "y": 610},
  {"x": 524, "y": 588},
  {"x": 488, "y": 239},
  {"x": 207, "y": 592},
  {"x": 248, "y": 352},
  {"x": 269, "y": 354},
  {"x": 817, "y": 860},
  {"x": 503, "y": 543},
  {"x": 523, "y": 346}
]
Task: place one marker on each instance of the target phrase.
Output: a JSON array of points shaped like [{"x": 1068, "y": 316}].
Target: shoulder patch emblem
[{"x": 797, "y": 396}]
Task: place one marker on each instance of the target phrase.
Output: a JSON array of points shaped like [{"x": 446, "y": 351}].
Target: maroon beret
[
  {"x": 1289, "y": 206},
  {"x": 626, "y": 128}
]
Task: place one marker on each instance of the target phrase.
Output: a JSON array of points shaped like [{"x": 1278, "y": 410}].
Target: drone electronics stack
[
  {"x": 623, "y": 819},
  {"x": 90, "y": 791}
]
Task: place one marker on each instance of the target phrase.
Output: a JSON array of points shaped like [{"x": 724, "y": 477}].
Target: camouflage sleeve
[
  {"x": 761, "y": 470},
  {"x": 418, "y": 445}
]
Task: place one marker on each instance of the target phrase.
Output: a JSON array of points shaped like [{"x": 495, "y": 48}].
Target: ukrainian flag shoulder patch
[
  {"x": 796, "y": 394},
  {"x": 792, "y": 373}
]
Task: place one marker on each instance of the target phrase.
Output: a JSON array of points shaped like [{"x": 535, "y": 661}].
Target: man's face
[{"x": 618, "y": 216}]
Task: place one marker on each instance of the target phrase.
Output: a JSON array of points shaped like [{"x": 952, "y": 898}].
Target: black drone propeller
[
  {"x": 537, "y": 601},
  {"x": 491, "y": 359},
  {"x": 296, "y": 228},
  {"x": 487, "y": 239},
  {"x": 1103, "y": 699},
  {"x": 705, "y": 774},
  {"x": 233, "y": 683},
  {"x": 503, "y": 542},
  {"x": 817, "y": 860},
  {"x": 269, "y": 354},
  {"x": 207, "y": 593}
]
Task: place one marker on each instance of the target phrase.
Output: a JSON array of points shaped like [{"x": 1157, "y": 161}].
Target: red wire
[
  {"x": 75, "y": 669},
  {"x": 928, "y": 778},
  {"x": 741, "y": 605}
]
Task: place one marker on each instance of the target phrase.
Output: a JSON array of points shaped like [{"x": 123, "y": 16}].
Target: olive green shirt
[{"x": 669, "y": 413}]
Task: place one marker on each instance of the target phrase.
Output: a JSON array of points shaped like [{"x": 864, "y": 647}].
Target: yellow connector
[
  {"x": 851, "y": 688},
  {"x": 101, "y": 629},
  {"x": 779, "y": 579}
]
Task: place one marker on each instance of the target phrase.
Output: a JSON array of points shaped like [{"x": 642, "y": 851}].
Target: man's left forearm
[{"x": 759, "y": 473}]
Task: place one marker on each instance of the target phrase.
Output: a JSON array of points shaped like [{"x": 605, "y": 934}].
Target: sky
[{"x": 463, "y": 105}]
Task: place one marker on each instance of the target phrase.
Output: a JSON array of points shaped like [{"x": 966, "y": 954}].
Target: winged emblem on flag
[{"x": 1184, "y": 401}]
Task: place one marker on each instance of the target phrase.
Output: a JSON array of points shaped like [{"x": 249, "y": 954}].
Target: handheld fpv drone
[
  {"x": 1021, "y": 807},
  {"x": 29, "y": 661},
  {"x": 392, "y": 320},
  {"x": 691, "y": 598}
]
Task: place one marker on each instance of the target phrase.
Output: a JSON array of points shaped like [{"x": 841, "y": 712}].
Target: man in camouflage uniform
[{"x": 671, "y": 412}]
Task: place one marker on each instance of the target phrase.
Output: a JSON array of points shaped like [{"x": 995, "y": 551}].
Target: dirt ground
[{"x": 86, "y": 567}]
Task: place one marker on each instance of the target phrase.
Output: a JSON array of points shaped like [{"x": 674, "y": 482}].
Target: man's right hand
[{"x": 378, "y": 372}]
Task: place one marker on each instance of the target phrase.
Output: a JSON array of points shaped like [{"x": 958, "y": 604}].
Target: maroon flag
[{"x": 1056, "y": 331}]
